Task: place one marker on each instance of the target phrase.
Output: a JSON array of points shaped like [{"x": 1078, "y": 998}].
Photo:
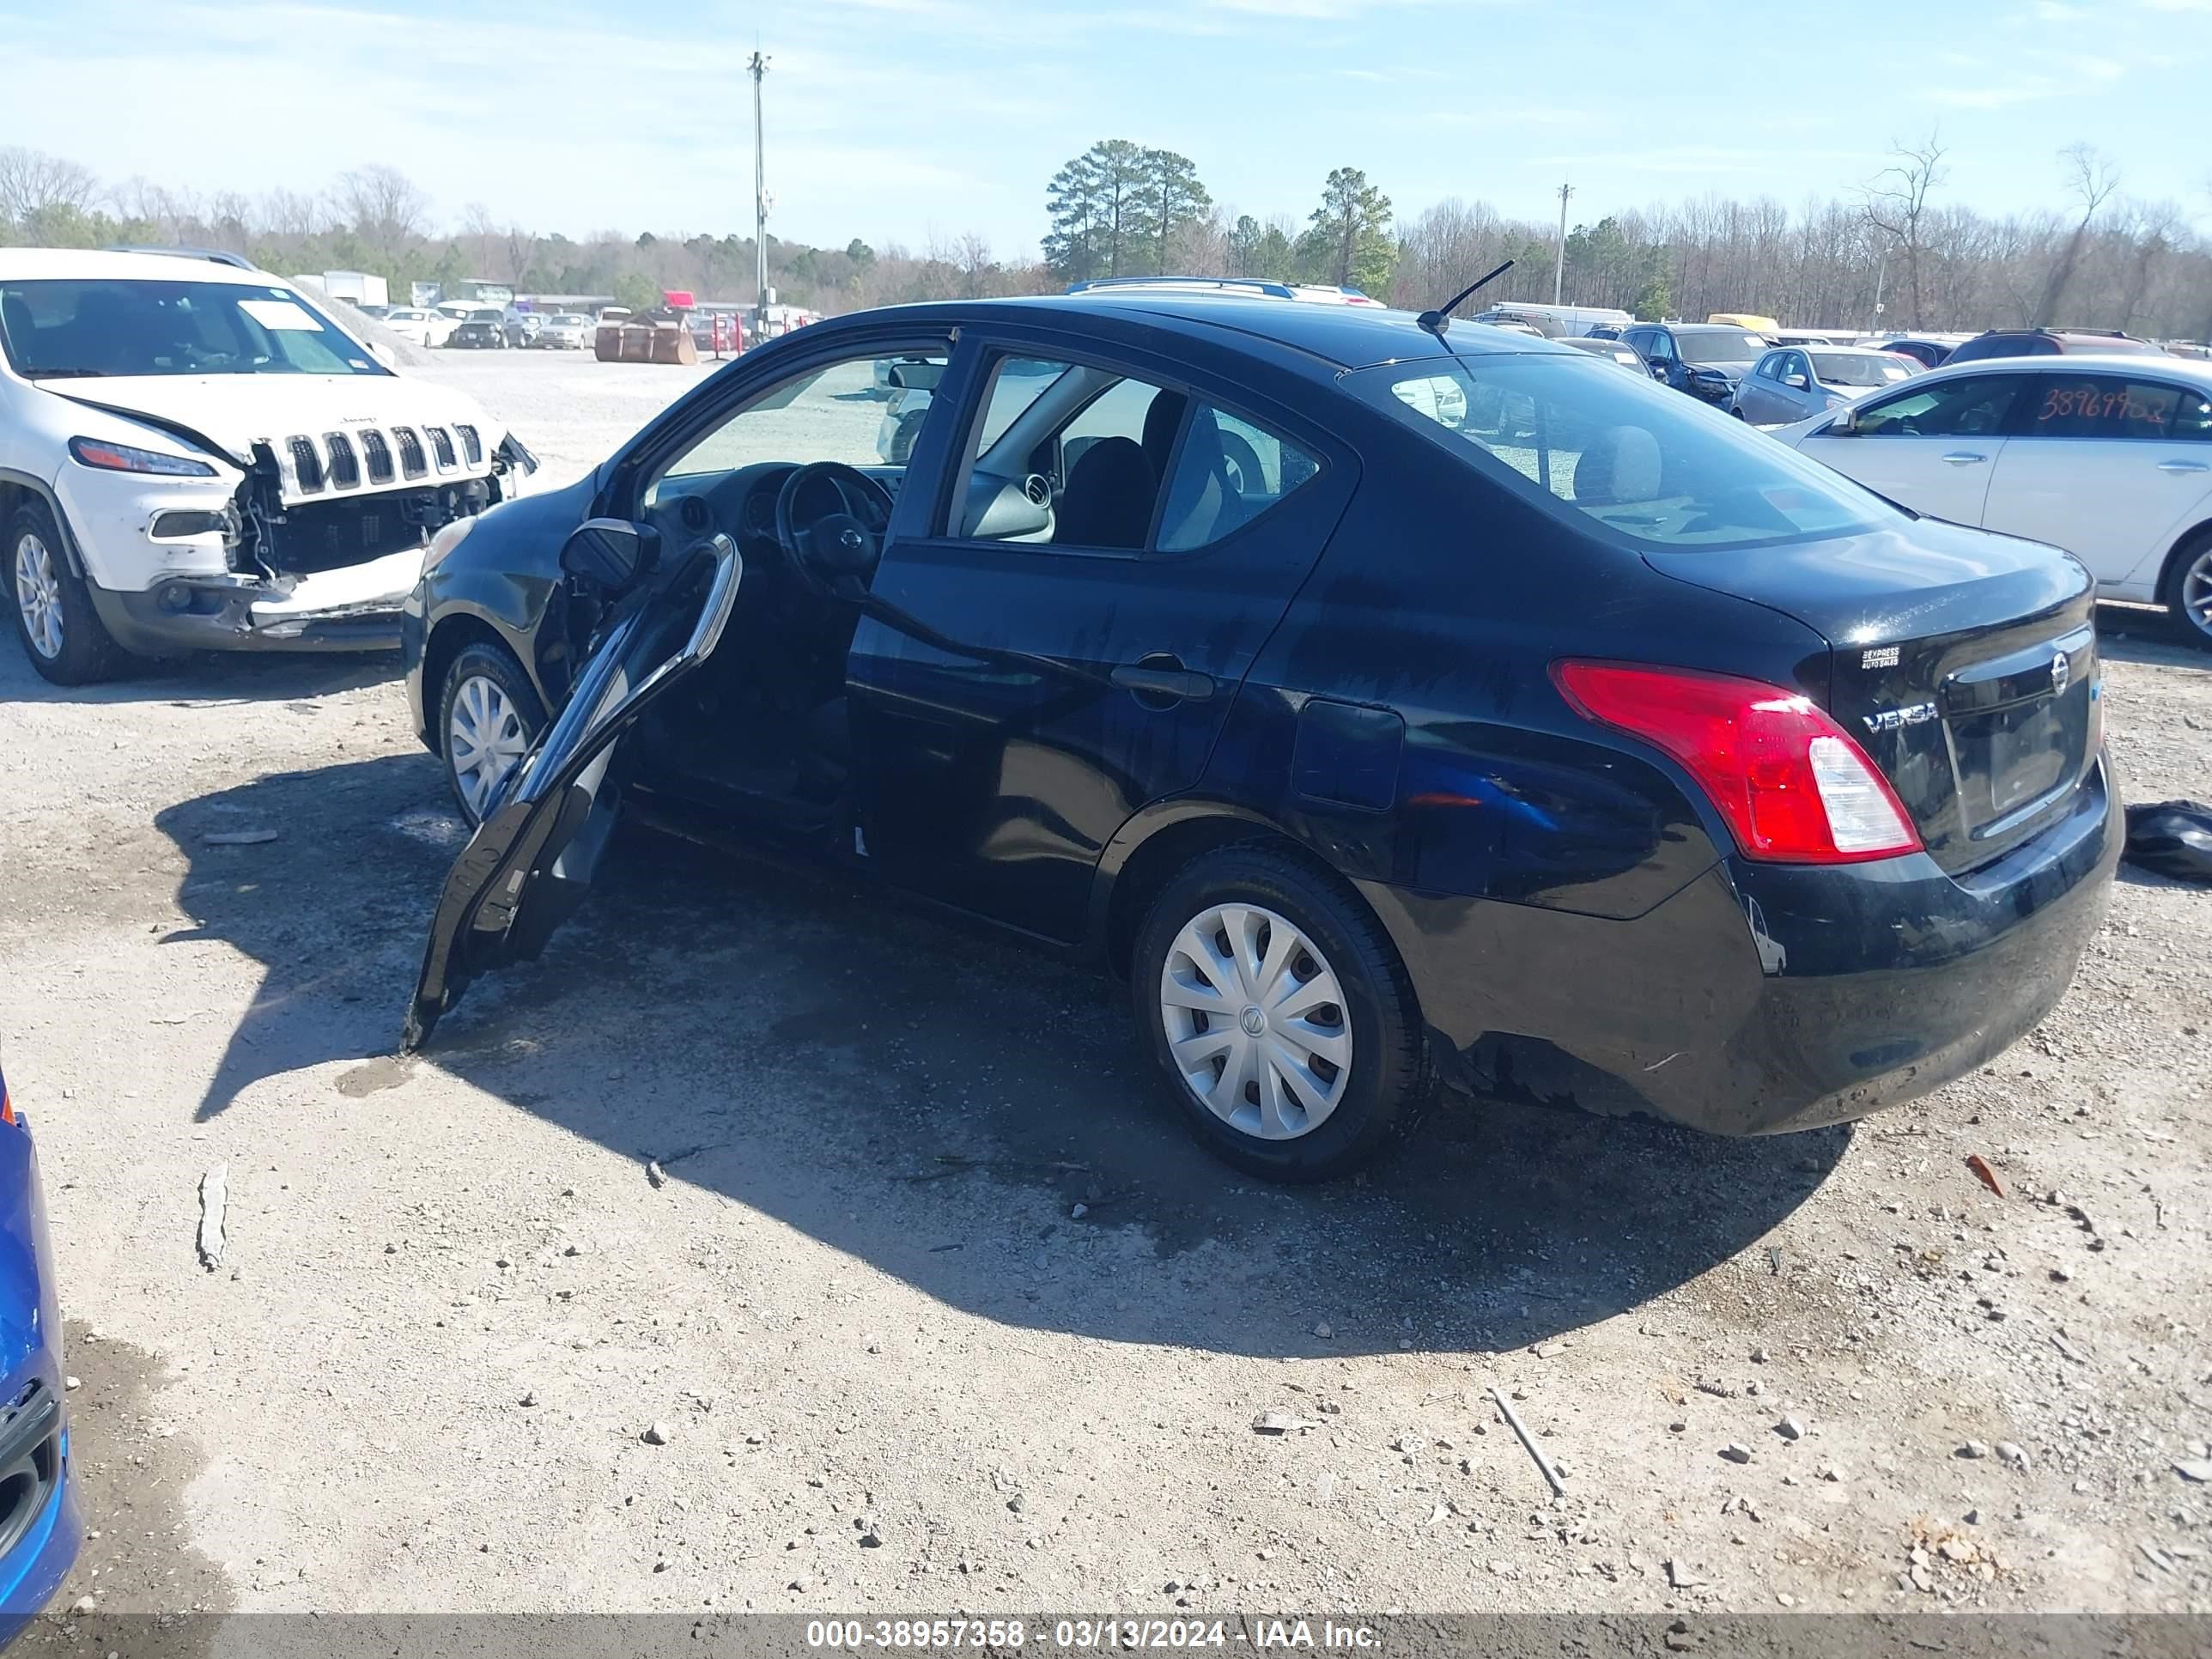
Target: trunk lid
[{"x": 1963, "y": 663}]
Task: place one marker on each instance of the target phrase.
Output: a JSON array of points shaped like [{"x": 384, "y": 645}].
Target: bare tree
[
  {"x": 288, "y": 213},
  {"x": 2151, "y": 230},
  {"x": 972, "y": 253},
  {"x": 32, "y": 181},
  {"x": 1897, "y": 205},
  {"x": 2091, "y": 179},
  {"x": 383, "y": 206}
]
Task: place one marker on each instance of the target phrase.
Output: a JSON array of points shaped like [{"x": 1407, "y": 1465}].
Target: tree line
[{"x": 2096, "y": 258}]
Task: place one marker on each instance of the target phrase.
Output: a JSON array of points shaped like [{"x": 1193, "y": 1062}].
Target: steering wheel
[{"x": 834, "y": 552}]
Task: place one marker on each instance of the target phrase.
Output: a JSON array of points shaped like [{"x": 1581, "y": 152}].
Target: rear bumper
[{"x": 1764, "y": 998}]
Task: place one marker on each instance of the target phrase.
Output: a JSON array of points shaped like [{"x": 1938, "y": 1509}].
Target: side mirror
[
  {"x": 1657, "y": 366},
  {"x": 610, "y": 554},
  {"x": 916, "y": 377},
  {"x": 1845, "y": 423},
  {"x": 1796, "y": 382},
  {"x": 382, "y": 353}
]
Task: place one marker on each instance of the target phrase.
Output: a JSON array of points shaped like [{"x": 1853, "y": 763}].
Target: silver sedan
[{"x": 1791, "y": 383}]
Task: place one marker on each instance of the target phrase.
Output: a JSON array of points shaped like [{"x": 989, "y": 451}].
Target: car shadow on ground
[
  {"x": 940, "y": 1104},
  {"x": 2132, "y": 633},
  {"x": 209, "y": 679}
]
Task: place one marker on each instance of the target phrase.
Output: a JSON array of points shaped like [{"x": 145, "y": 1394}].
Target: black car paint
[{"x": 1574, "y": 915}]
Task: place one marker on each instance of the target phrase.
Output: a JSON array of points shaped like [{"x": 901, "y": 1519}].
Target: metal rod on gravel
[{"x": 1528, "y": 1441}]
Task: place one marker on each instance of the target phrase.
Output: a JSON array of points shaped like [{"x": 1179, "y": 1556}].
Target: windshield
[
  {"x": 1661, "y": 472},
  {"x": 1718, "y": 345},
  {"x": 1850, "y": 368},
  {"x": 79, "y": 329}
]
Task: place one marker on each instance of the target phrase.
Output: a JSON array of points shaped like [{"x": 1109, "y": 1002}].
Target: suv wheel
[
  {"x": 63, "y": 635},
  {"x": 2189, "y": 589},
  {"x": 488, "y": 717},
  {"x": 1282, "y": 1021}
]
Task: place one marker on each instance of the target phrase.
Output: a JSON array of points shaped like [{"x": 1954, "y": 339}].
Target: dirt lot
[{"x": 937, "y": 1308}]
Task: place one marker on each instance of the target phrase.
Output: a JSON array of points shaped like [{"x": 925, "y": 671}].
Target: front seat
[
  {"x": 1623, "y": 466},
  {"x": 1163, "y": 420},
  {"x": 1108, "y": 502}
]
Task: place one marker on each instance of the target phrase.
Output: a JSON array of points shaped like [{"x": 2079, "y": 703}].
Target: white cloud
[{"x": 2002, "y": 95}]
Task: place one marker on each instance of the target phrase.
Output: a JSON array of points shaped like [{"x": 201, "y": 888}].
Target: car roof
[
  {"x": 1343, "y": 336},
  {"x": 2193, "y": 369},
  {"x": 105, "y": 264}
]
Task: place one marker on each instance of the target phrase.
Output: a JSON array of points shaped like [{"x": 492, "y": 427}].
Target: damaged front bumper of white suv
[{"x": 312, "y": 546}]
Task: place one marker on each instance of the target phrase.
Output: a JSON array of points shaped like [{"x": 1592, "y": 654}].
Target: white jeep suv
[{"x": 192, "y": 456}]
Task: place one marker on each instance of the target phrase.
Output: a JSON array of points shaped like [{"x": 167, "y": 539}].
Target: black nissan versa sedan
[{"x": 1379, "y": 703}]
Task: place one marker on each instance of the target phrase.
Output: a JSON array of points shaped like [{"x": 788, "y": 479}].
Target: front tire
[
  {"x": 2187, "y": 589},
  {"x": 1282, "y": 1023},
  {"x": 488, "y": 715},
  {"x": 61, "y": 634}
]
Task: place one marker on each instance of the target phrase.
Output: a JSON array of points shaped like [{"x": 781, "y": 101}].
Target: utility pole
[
  {"x": 756, "y": 69},
  {"x": 1559, "y": 267}
]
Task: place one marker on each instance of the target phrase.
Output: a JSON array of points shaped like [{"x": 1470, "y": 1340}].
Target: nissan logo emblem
[{"x": 2060, "y": 673}]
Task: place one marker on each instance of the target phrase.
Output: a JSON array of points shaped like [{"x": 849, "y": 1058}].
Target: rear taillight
[{"x": 1793, "y": 787}]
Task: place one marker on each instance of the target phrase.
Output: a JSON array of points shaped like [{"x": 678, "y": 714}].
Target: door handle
[
  {"x": 2182, "y": 466},
  {"x": 1165, "y": 679},
  {"x": 1964, "y": 458}
]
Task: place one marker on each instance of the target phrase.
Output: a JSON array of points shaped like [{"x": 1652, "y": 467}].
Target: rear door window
[
  {"x": 1108, "y": 460},
  {"x": 1974, "y": 407},
  {"x": 2107, "y": 406}
]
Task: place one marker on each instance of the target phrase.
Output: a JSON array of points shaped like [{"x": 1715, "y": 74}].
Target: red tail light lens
[{"x": 1792, "y": 785}]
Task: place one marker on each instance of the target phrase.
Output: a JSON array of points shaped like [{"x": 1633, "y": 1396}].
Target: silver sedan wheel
[
  {"x": 38, "y": 596},
  {"x": 484, "y": 739},
  {"x": 1256, "y": 1021},
  {"x": 2197, "y": 593}
]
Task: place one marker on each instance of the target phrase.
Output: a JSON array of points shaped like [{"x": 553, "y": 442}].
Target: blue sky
[{"x": 899, "y": 119}]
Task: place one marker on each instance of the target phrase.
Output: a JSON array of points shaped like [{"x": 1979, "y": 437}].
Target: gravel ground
[{"x": 934, "y": 1306}]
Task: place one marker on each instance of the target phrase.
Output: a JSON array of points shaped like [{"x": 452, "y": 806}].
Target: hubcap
[
  {"x": 2196, "y": 593},
  {"x": 484, "y": 738},
  {"x": 1256, "y": 1021},
  {"x": 38, "y": 597}
]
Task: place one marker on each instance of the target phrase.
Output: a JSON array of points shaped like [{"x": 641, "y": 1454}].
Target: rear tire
[
  {"x": 489, "y": 716},
  {"x": 1294, "y": 1113},
  {"x": 61, "y": 634},
  {"x": 2187, "y": 589}
]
